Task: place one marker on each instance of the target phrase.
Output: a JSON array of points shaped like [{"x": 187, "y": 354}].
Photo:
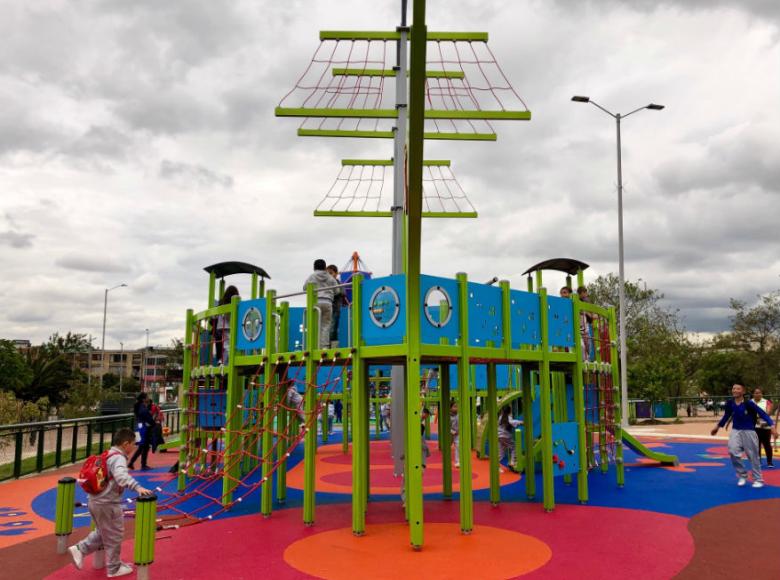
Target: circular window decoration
[
  {"x": 437, "y": 306},
  {"x": 384, "y": 306},
  {"x": 252, "y": 324}
]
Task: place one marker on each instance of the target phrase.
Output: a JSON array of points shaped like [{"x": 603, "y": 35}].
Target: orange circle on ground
[{"x": 446, "y": 554}]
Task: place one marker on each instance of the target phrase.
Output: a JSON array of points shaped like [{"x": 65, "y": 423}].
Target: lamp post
[
  {"x": 143, "y": 367},
  {"x": 121, "y": 362},
  {"x": 103, "y": 342},
  {"x": 621, "y": 270}
]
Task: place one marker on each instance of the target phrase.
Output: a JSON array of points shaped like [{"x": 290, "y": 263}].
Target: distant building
[
  {"x": 153, "y": 367},
  {"x": 22, "y": 345}
]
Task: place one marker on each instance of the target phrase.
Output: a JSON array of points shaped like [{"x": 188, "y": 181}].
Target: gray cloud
[
  {"x": 94, "y": 262},
  {"x": 16, "y": 239},
  {"x": 195, "y": 175}
]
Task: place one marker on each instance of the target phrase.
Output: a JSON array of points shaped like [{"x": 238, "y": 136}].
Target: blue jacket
[{"x": 744, "y": 415}]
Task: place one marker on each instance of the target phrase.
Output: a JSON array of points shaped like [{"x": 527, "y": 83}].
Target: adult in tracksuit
[
  {"x": 326, "y": 290},
  {"x": 743, "y": 439},
  {"x": 106, "y": 509}
]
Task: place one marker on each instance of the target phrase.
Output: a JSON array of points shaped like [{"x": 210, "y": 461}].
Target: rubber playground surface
[{"x": 688, "y": 521}]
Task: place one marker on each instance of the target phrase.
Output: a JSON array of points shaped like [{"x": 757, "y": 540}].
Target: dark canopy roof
[
  {"x": 568, "y": 265},
  {"x": 229, "y": 268}
]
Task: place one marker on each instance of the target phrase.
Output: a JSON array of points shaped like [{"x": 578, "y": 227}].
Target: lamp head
[
  {"x": 580, "y": 99},
  {"x": 654, "y": 107}
]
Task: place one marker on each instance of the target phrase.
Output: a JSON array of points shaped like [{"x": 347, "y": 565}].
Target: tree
[
  {"x": 14, "y": 372},
  {"x": 51, "y": 374},
  {"x": 756, "y": 332},
  {"x": 661, "y": 359}
]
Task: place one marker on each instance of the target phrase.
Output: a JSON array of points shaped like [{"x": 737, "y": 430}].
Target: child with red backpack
[{"x": 105, "y": 478}]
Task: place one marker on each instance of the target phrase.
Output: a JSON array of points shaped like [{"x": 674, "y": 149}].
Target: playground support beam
[
  {"x": 464, "y": 406},
  {"x": 492, "y": 427},
  {"x": 186, "y": 401},
  {"x": 579, "y": 401},
  {"x": 310, "y": 442},
  {"x": 233, "y": 414},
  {"x": 284, "y": 417},
  {"x": 266, "y": 500},
  {"x": 528, "y": 431},
  {"x": 445, "y": 436},
  {"x": 413, "y": 483},
  {"x": 358, "y": 392},
  {"x": 545, "y": 407}
]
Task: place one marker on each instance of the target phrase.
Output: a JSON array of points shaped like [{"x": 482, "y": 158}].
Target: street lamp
[
  {"x": 621, "y": 271},
  {"x": 103, "y": 342},
  {"x": 121, "y": 362}
]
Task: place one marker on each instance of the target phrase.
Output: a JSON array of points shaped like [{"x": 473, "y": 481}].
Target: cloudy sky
[{"x": 138, "y": 145}]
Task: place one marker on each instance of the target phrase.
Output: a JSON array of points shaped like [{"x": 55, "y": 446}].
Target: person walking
[
  {"x": 762, "y": 429},
  {"x": 743, "y": 439},
  {"x": 144, "y": 423}
]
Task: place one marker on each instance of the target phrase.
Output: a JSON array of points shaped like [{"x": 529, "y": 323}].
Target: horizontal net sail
[{"x": 367, "y": 189}]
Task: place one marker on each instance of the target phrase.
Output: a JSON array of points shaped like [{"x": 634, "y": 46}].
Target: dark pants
[
  {"x": 765, "y": 441},
  {"x": 143, "y": 451}
]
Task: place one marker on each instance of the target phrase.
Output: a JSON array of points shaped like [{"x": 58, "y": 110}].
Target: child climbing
[{"x": 506, "y": 438}]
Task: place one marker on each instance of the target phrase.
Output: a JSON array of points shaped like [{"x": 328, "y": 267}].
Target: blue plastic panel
[
  {"x": 560, "y": 319},
  {"x": 485, "y": 321},
  {"x": 506, "y": 376},
  {"x": 295, "y": 321},
  {"x": 384, "y": 320},
  {"x": 251, "y": 325},
  {"x": 329, "y": 378},
  {"x": 525, "y": 318},
  {"x": 565, "y": 448},
  {"x": 211, "y": 409},
  {"x": 433, "y": 333}
]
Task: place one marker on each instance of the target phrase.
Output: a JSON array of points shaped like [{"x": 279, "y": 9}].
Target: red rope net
[
  {"x": 600, "y": 401},
  {"x": 463, "y": 76},
  {"x": 226, "y": 444}
]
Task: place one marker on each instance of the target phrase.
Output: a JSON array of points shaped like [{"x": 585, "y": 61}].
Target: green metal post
[
  {"x": 269, "y": 403},
  {"x": 616, "y": 391},
  {"x": 528, "y": 431},
  {"x": 39, "y": 451},
  {"x": 358, "y": 391},
  {"x": 58, "y": 451},
  {"x": 579, "y": 405},
  {"x": 234, "y": 413},
  {"x": 145, "y": 528},
  {"x": 492, "y": 427},
  {"x": 464, "y": 408},
  {"x": 74, "y": 446},
  {"x": 418, "y": 45},
  {"x": 545, "y": 407},
  {"x": 63, "y": 518},
  {"x": 212, "y": 290},
  {"x": 253, "y": 289},
  {"x": 310, "y": 406},
  {"x": 445, "y": 437},
  {"x": 185, "y": 429},
  {"x": 283, "y": 416}
]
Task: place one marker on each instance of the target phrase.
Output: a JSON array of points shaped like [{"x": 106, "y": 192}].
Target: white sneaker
[
  {"x": 123, "y": 570},
  {"x": 758, "y": 484},
  {"x": 742, "y": 481},
  {"x": 77, "y": 557}
]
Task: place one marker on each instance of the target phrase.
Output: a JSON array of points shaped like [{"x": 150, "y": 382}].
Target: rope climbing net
[
  {"x": 348, "y": 89},
  {"x": 600, "y": 400},
  {"x": 225, "y": 445},
  {"x": 365, "y": 187}
]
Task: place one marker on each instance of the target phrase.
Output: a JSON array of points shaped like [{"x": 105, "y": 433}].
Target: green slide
[{"x": 640, "y": 449}]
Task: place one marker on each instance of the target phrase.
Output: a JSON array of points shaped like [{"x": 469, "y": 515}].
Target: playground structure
[{"x": 256, "y": 377}]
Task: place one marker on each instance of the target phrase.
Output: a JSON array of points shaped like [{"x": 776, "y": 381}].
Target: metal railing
[
  {"x": 27, "y": 448},
  {"x": 684, "y": 407}
]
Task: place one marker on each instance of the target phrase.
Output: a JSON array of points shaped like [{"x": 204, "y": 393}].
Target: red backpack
[{"x": 94, "y": 475}]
